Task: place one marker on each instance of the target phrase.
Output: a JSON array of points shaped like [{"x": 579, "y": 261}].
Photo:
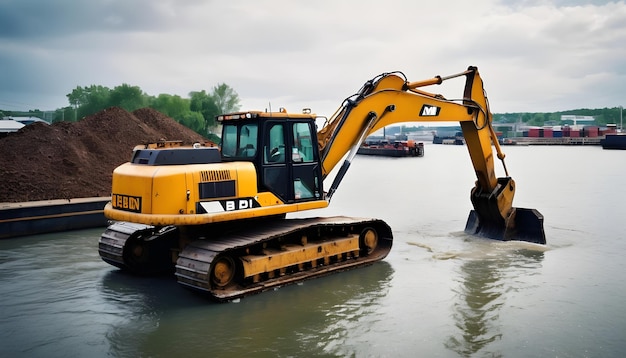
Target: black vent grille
[{"x": 214, "y": 175}]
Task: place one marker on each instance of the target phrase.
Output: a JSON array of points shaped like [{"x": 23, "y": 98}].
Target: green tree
[
  {"x": 223, "y": 99},
  {"x": 179, "y": 109},
  {"x": 128, "y": 97},
  {"x": 198, "y": 112},
  {"x": 64, "y": 114},
  {"x": 195, "y": 121},
  {"x": 226, "y": 99},
  {"x": 526, "y": 117},
  {"x": 204, "y": 104},
  {"x": 87, "y": 101},
  {"x": 172, "y": 106}
]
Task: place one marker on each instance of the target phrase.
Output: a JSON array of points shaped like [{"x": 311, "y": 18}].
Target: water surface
[{"x": 439, "y": 293}]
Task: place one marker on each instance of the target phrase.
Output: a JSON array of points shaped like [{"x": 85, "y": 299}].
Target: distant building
[
  {"x": 13, "y": 124},
  {"x": 27, "y": 120},
  {"x": 576, "y": 119},
  {"x": 7, "y": 126}
]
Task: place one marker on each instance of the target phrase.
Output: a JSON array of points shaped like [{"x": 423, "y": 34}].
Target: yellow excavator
[{"x": 216, "y": 217}]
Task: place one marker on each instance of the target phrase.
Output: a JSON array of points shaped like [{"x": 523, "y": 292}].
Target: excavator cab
[{"x": 283, "y": 149}]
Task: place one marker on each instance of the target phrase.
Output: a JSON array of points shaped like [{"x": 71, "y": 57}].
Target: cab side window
[
  {"x": 247, "y": 141},
  {"x": 274, "y": 150},
  {"x": 229, "y": 141},
  {"x": 239, "y": 141},
  {"x": 302, "y": 151}
]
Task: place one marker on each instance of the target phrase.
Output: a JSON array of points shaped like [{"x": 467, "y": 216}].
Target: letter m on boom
[{"x": 429, "y": 111}]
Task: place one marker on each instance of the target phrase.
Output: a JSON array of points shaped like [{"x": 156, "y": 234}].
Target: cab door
[
  {"x": 290, "y": 163},
  {"x": 306, "y": 170},
  {"x": 275, "y": 172}
]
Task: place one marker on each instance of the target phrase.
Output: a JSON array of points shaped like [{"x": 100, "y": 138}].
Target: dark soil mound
[{"x": 76, "y": 160}]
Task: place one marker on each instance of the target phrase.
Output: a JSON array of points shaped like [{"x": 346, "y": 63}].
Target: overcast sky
[{"x": 534, "y": 56}]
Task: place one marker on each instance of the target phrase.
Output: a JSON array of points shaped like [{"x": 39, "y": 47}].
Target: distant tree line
[
  {"x": 602, "y": 117},
  {"x": 199, "y": 110},
  {"x": 196, "y": 112}
]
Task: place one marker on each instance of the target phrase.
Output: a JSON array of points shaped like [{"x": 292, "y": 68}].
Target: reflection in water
[
  {"x": 486, "y": 284},
  {"x": 131, "y": 307},
  {"x": 59, "y": 299},
  {"x": 138, "y": 305},
  {"x": 158, "y": 317},
  {"x": 353, "y": 312},
  {"x": 49, "y": 307}
]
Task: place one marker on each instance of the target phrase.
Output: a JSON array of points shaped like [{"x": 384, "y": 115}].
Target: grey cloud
[
  {"x": 543, "y": 54},
  {"x": 23, "y": 19}
]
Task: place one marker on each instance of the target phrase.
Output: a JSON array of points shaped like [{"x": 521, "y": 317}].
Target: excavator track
[
  {"x": 268, "y": 255},
  {"x": 138, "y": 248}
]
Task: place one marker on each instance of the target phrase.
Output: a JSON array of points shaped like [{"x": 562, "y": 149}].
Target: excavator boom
[{"x": 389, "y": 99}]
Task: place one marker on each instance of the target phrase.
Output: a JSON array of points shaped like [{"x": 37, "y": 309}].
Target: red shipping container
[
  {"x": 547, "y": 132},
  {"x": 574, "y": 134},
  {"x": 592, "y": 131},
  {"x": 533, "y": 132},
  {"x": 566, "y": 131}
]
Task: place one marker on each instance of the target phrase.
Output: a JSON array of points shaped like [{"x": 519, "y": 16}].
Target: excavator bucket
[{"x": 522, "y": 225}]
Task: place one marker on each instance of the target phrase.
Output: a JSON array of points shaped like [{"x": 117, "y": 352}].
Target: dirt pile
[{"x": 76, "y": 160}]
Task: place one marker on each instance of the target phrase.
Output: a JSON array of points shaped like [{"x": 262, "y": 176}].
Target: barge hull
[
  {"x": 614, "y": 141},
  {"x": 40, "y": 217}
]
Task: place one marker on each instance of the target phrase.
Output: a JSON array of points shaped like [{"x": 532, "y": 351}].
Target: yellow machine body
[
  {"x": 169, "y": 195},
  {"x": 216, "y": 216}
]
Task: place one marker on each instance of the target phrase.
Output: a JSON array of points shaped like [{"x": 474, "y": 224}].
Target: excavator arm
[
  {"x": 216, "y": 217},
  {"x": 389, "y": 99}
]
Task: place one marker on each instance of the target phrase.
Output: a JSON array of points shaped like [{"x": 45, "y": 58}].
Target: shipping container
[
  {"x": 609, "y": 130},
  {"x": 590, "y": 131},
  {"x": 533, "y": 132},
  {"x": 574, "y": 134},
  {"x": 547, "y": 132},
  {"x": 557, "y": 134},
  {"x": 566, "y": 131}
]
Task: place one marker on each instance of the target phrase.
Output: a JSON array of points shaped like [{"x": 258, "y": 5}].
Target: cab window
[
  {"x": 229, "y": 141},
  {"x": 275, "y": 144},
  {"x": 302, "y": 151},
  {"x": 247, "y": 141},
  {"x": 239, "y": 141}
]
